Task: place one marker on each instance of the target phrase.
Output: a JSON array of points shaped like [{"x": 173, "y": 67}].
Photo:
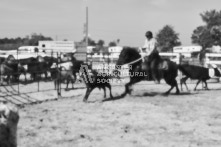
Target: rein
[{"x": 132, "y": 62}]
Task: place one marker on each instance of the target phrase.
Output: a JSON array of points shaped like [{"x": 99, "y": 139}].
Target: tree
[
  {"x": 14, "y": 43},
  {"x": 112, "y": 43},
  {"x": 167, "y": 38},
  {"x": 91, "y": 42},
  {"x": 100, "y": 43},
  {"x": 210, "y": 33},
  {"x": 201, "y": 35},
  {"x": 35, "y": 38}
]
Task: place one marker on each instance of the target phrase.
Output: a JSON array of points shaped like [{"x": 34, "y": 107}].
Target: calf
[
  {"x": 199, "y": 73},
  {"x": 95, "y": 80}
]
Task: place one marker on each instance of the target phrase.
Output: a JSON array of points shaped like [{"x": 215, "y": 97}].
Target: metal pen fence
[
  {"x": 103, "y": 62},
  {"x": 21, "y": 86}
]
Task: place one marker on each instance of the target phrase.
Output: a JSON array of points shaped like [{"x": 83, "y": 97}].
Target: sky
[{"x": 109, "y": 20}]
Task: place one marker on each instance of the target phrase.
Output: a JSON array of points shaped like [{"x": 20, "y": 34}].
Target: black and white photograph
[{"x": 110, "y": 73}]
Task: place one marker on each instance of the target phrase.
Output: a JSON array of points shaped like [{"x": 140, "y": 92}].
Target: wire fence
[{"x": 25, "y": 84}]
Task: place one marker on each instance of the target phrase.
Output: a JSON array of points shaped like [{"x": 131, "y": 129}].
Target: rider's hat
[{"x": 149, "y": 34}]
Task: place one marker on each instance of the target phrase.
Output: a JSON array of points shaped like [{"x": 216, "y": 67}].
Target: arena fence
[
  {"x": 17, "y": 91},
  {"x": 103, "y": 62}
]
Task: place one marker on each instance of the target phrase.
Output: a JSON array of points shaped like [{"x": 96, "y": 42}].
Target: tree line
[{"x": 14, "y": 43}]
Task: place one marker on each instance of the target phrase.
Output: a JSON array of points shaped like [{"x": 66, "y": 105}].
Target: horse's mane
[{"x": 131, "y": 51}]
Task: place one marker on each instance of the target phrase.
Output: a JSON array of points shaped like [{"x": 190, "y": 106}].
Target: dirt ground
[{"x": 144, "y": 119}]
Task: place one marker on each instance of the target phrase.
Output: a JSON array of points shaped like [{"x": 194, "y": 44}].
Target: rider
[{"x": 150, "y": 45}]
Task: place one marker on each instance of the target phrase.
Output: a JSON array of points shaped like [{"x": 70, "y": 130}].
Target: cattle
[
  {"x": 94, "y": 80},
  {"x": 38, "y": 66},
  {"x": 11, "y": 69},
  {"x": 198, "y": 73}
]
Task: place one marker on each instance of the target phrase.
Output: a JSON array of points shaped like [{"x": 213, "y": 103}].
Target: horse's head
[{"x": 127, "y": 55}]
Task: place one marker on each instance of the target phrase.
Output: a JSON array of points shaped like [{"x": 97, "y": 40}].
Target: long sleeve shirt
[{"x": 149, "y": 46}]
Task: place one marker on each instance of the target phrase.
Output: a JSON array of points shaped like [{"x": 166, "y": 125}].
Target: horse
[
  {"x": 61, "y": 75},
  {"x": 39, "y": 65},
  {"x": 66, "y": 71},
  {"x": 160, "y": 69}
]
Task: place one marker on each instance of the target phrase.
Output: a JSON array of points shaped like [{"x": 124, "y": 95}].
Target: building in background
[
  {"x": 115, "y": 51},
  {"x": 187, "y": 51},
  {"x": 57, "y": 46}
]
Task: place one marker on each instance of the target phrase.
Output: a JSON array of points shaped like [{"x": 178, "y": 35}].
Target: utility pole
[{"x": 86, "y": 26}]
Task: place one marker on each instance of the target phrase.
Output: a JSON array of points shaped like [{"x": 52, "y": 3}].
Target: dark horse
[{"x": 160, "y": 68}]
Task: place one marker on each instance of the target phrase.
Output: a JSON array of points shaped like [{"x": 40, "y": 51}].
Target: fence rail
[{"x": 101, "y": 62}]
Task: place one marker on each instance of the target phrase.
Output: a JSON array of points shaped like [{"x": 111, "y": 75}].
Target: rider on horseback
[{"x": 150, "y": 45}]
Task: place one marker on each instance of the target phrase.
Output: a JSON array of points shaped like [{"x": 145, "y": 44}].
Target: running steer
[
  {"x": 94, "y": 80},
  {"x": 198, "y": 73}
]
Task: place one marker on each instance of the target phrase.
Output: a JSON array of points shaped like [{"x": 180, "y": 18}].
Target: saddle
[{"x": 144, "y": 65}]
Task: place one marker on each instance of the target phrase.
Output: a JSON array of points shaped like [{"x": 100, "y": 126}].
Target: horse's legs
[
  {"x": 127, "y": 86},
  {"x": 55, "y": 84},
  {"x": 46, "y": 75},
  {"x": 8, "y": 79},
  {"x": 104, "y": 91},
  {"x": 177, "y": 88},
  {"x": 109, "y": 86},
  {"x": 33, "y": 75},
  {"x": 181, "y": 83},
  {"x": 87, "y": 94},
  {"x": 168, "y": 92},
  {"x": 25, "y": 78},
  {"x": 173, "y": 83},
  {"x": 72, "y": 84},
  {"x": 197, "y": 84},
  {"x": 73, "y": 79},
  {"x": 68, "y": 80}
]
